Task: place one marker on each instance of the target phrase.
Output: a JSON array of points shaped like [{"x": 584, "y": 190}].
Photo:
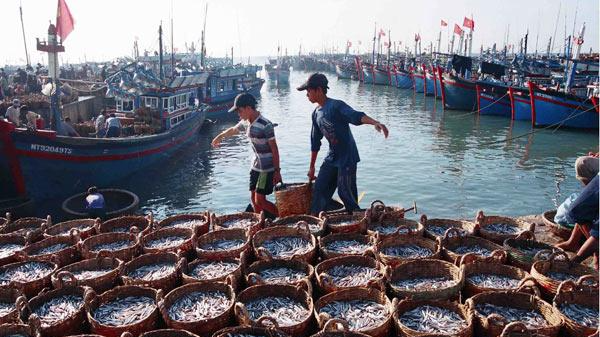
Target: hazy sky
[{"x": 106, "y": 29}]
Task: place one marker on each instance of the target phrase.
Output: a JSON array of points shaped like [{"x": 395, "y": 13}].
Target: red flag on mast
[
  {"x": 64, "y": 20},
  {"x": 469, "y": 23},
  {"x": 444, "y": 23},
  {"x": 457, "y": 29},
  {"x": 381, "y": 32}
]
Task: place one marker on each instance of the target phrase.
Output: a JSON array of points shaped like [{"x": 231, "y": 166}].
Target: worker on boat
[
  {"x": 12, "y": 113},
  {"x": 66, "y": 129},
  {"x": 331, "y": 119},
  {"x": 28, "y": 119},
  {"x": 94, "y": 203},
  {"x": 265, "y": 172},
  {"x": 100, "y": 124},
  {"x": 113, "y": 126}
]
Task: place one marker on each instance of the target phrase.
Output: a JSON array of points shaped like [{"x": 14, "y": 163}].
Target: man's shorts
[{"x": 261, "y": 182}]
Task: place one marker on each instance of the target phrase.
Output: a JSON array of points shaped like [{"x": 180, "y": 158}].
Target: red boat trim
[
  {"x": 511, "y": 96},
  {"x": 532, "y": 102},
  {"x": 550, "y": 100},
  {"x": 478, "y": 90},
  {"x": 424, "y": 79},
  {"x": 442, "y": 86}
]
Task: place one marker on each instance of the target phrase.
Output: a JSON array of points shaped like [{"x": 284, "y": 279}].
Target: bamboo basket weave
[
  {"x": 317, "y": 228},
  {"x": 517, "y": 256},
  {"x": 29, "y": 288},
  {"x": 561, "y": 231},
  {"x": 483, "y": 221},
  {"x": 293, "y": 199},
  {"x": 261, "y": 329},
  {"x": 253, "y": 272},
  {"x": 471, "y": 266},
  {"x": 223, "y": 234},
  {"x": 493, "y": 325},
  {"x": 32, "y": 228},
  {"x": 463, "y": 226},
  {"x": 184, "y": 249},
  {"x": 404, "y": 240},
  {"x": 11, "y": 330},
  {"x": 271, "y": 233},
  {"x": 86, "y": 228},
  {"x": 201, "y": 220},
  {"x": 452, "y": 240},
  {"x": 100, "y": 283},
  {"x": 87, "y": 247},
  {"x": 518, "y": 329},
  {"x": 393, "y": 227},
  {"x": 256, "y": 221},
  {"x": 326, "y": 283},
  {"x": 165, "y": 333},
  {"x": 5, "y": 220},
  {"x": 62, "y": 257},
  {"x": 426, "y": 268},
  {"x": 336, "y": 327},
  {"x": 571, "y": 293},
  {"x": 12, "y": 239},
  {"x": 17, "y": 300},
  {"x": 327, "y": 253},
  {"x": 344, "y": 223},
  {"x": 125, "y": 223},
  {"x": 166, "y": 283},
  {"x": 235, "y": 276},
  {"x": 410, "y": 304}
]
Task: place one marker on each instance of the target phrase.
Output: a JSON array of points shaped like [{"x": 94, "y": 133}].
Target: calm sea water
[{"x": 451, "y": 163}]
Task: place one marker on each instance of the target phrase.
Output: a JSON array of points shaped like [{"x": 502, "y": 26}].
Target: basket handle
[
  {"x": 181, "y": 265},
  {"x": 134, "y": 231},
  {"x": 334, "y": 324},
  {"x": 528, "y": 285},
  {"x": 323, "y": 318},
  {"x": 90, "y": 299},
  {"x": 302, "y": 227},
  {"x": 451, "y": 232},
  {"x": 377, "y": 204},
  {"x": 327, "y": 281},
  {"x": 126, "y": 334},
  {"x": 525, "y": 235},
  {"x": 150, "y": 218},
  {"x": 479, "y": 218},
  {"x": 35, "y": 324},
  {"x": 564, "y": 288},
  {"x": 104, "y": 253},
  {"x": 75, "y": 234},
  {"x": 48, "y": 221},
  {"x": 241, "y": 311},
  {"x": 21, "y": 303},
  {"x": 271, "y": 322},
  {"x": 496, "y": 319},
  {"x": 584, "y": 278},
  {"x": 306, "y": 285},
  {"x": 65, "y": 279},
  {"x": 264, "y": 254},
  {"x": 468, "y": 258},
  {"x": 377, "y": 284},
  {"x": 542, "y": 255},
  {"x": 403, "y": 227},
  {"x": 423, "y": 219},
  {"x": 97, "y": 224},
  {"x": 498, "y": 255},
  {"x": 515, "y": 327},
  {"x": 254, "y": 279},
  {"x": 371, "y": 252}
]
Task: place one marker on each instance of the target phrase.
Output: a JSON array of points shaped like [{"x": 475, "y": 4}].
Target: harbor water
[{"x": 452, "y": 163}]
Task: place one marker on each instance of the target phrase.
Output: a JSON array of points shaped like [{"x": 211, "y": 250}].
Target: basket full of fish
[
  {"x": 32, "y": 228},
  {"x": 201, "y": 308},
  {"x": 265, "y": 327},
  {"x": 62, "y": 250},
  {"x": 122, "y": 246},
  {"x": 244, "y": 220},
  {"x": 395, "y": 250},
  {"x": 125, "y": 308},
  {"x": 426, "y": 280},
  {"x": 290, "y": 306},
  {"x": 86, "y": 228},
  {"x": 481, "y": 276},
  {"x": 10, "y": 246},
  {"x": 61, "y": 312},
  {"x": 282, "y": 242},
  {"x": 12, "y": 302},
  {"x": 344, "y": 223},
  {"x": 124, "y": 224},
  {"x": 579, "y": 308},
  {"x": 523, "y": 249},
  {"x": 316, "y": 226},
  {"x": 499, "y": 228},
  {"x": 215, "y": 270},
  {"x": 437, "y": 227},
  {"x": 191, "y": 221},
  {"x": 389, "y": 226},
  {"x": 350, "y": 271},
  {"x": 28, "y": 276},
  {"x": 19, "y": 330},
  {"x": 224, "y": 243},
  {"x": 367, "y": 310},
  {"x": 100, "y": 273},
  {"x": 378, "y": 211},
  {"x": 432, "y": 318},
  {"x": 154, "y": 270},
  {"x": 169, "y": 240},
  {"x": 454, "y": 246},
  {"x": 344, "y": 244},
  {"x": 494, "y": 310},
  {"x": 291, "y": 272}
]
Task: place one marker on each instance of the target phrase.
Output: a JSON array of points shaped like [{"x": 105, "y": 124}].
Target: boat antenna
[{"x": 23, "y": 29}]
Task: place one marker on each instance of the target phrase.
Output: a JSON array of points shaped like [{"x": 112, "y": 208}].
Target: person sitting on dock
[
  {"x": 265, "y": 172},
  {"x": 66, "y": 129},
  {"x": 113, "y": 126},
  {"x": 94, "y": 203},
  {"x": 100, "y": 124},
  {"x": 331, "y": 119}
]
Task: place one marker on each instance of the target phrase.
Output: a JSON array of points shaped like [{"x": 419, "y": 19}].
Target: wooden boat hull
[
  {"x": 520, "y": 104},
  {"x": 458, "y": 93},
  {"x": 403, "y": 80},
  {"x": 419, "y": 81},
  {"x": 492, "y": 99},
  {"x": 429, "y": 89},
  {"x": 553, "y": 108},
  {"x": 373, "y": 75},
  {"x": 218, "y": 106}
]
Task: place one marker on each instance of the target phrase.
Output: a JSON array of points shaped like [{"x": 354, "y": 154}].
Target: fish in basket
[
  {"x": 316, "y": 225},
  {"x": 154, "y": 270},
  {"x": 283, "y": 242},
  {"x": 432, "y": 318},
  {"x": 224, "y": 243},
  {"x": 343, "y": 244},
  {"x": 454, "y": 246},
  {"x": 32, "y": 228},
  {"x": 29, "y": 276},
  {"x": 100, "y": 273},
  {"x": 395, "y": 250},
  {"x": 190, "y": 221},
  {"x": 436, "y": 228},
  {"x": 499, "y": 228},
  {"x": 350, "y": 271},
  {"x": 244, "y": 220},
  {"x": 291, "y": 272},
  {"x": 12, "y": 302},
  {"x": 62, "y": 250},
  {"x": 86, "y": 228},
  {"x": 123, "y": 246},
  {"x": 215, "y": 270},
  {"x": 124, "y": 224},
  {"x": 173, "y": 240},
  {"x": 579, "y": 308},
  {"x": 10, "y": 245}
]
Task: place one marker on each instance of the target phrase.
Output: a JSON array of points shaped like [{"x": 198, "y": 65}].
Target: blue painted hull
[
  {"x": 521, "y": 104},
  {"x": 459, "y": 94},
  {"x": 375, "y": 76},
  {"x": 419, "y": 83},
  {"x": 438, "y": 88},
  {"x": 566, "y": 110},
  {"x": 52, "y": 166},
  {"x": 344, "y": 73},
  {"x": 490, "y": 104},
  {"x": 404, "y": 80}
]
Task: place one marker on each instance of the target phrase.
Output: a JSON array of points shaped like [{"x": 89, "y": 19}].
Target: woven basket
[
  {"x": 378, "y": 211},
  {"x": 561, "y": 231},
  {"x": 62, "y": 257},
  {"x": 73, "y": 324},
  {"x": 483, "y": 221},
  {"x": 518, "y": 256},
  {"x": 570, "y": 293},
  {"x": 350, "y": 294},
  {"x": 471, "y": 266},
  {"x": 12, "y": 330},
  {"x": 326, "y": 283},
  {"x": 255, "y": 221},
  {"x": 338, "y": 328},
  {"x": 100, "y": 283},
  {"x": 452, "y": 240},
  {"x": 327, "y": 253},
  {"x": 205, "y": 327},
  {"x": 409, "y": 304},
  {"x": 405, "y": 240},
  {"x": 17, "y": 300},
  {"x": 12, "y": 239},
  {"x": 193, "y": 220},
  {"x": 317, "y": 228},
  {"x": 166, "y": 283},
  {"x": 86, "y": 227},
  {"x": 558, "y": 262},
  {"x": 426, "y": 268},
  {"x": 164, "y": 333},
  {"x": 4, "y": 220},
  {"x": 344, "y": 223},
  {"x": 392, "y": 227},
  {"x": 235, "y": 275},
  {"x": 124, "y": 224},
  {"x": 271, "y": 233},
  {"x": 293, "y": 199},
  {"x": 279, "y": 290},
  {"x": 223, "y": 234},
  {"x": 184, "y": 249},
  {"x": 31, "y": 287},
  {"x": 32, "y": 228},
  {"x": 126, "y": 254},
  {"x": 149, "y": 323},
  {"x": 517, "y": 329},
  {"x": 270, "y": 329},
  {"x": 253, "y": 272},
  {"x": 430, "y": 224},
  {"x": 493, "y": 325}
]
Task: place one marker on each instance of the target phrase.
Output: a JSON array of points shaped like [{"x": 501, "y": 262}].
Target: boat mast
[
  {"x": 203, "y": 47},
  {"x": 555, "y": 27},
  {"x": 579, "y": 43},
  {"x": 23, "y": 30},
  {"x": 373, "y": 54},
  {"x": 160, "y": 53},
  {"x": 172, "y": 45},
  {"x": 53, "y": 47}
]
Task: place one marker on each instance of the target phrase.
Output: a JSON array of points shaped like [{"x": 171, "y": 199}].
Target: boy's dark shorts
[{"x": 261, "y": 182}]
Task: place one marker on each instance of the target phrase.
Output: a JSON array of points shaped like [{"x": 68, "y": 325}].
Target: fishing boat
[
  {"x": 375, "y": 75},
  {"x": 429, "y": 82},
  {"x": 492, "y": 94},
  {"x": 419, "y": 80},
  {"x": 278, "y": 70},
  {"x": 404, "y": 79},
  {"x": 520, "y": 103},
  {"x": 458, "y": 92}
]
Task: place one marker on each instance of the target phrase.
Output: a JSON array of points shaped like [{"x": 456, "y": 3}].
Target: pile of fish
[
  {"x": 476, "y": 249},
  {"x": 502, "y": 228},
  {"x": 166, "y": 242},
  {"x": 81, "y": 227},
  {"x": 493, "y": 281},
  {"x": 124, "y": 311},
  {"x": 342, "y": 223},
  {"x": 238, "y": 223},
  {"x": 347, "y": 247},
  {"x": 223, "y": 244},
  {"x": 352, "y": 275},
  {"x": 112, "y": 246},
  {"x": 385, "y": 229},
  {"x": 86, "y": 274},
  {"x": 313, "y": 226},
  {"x": 531, "y": 318},
  {"x": 424, "y": 283},
  {"x": 189, "y": 223},
  {"x": 120, "y": 230},
  {"x": 558, "y": 276},
  {"x": 531, "y": 250},
  {"x": 281, "y": 275},
  {"x": 580, "y": 314},
  {"x": 152, "y": 271},
  {"x": 8, "y": 249},
  {"x": 6, "y": 308},
  {"x": 58, "y": 309},
  {"x": 287, "y": 246},
  {"x": 25, "y": 272},
  {"x": 440, "y": 230},
  {"x": 51, "y": 249},
  {"x": 285, "y": 310},
  {"x": 209, "y": 270},
  {"x": 407, "y": 251},
  {"x": 432, "y": 319},
  {"x": 360, "y": 314},
  {"x": 199, "y": 305}
]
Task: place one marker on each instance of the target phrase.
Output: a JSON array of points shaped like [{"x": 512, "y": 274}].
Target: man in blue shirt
[
  {"x": 331, "y": 119},
  {"x": 94, "y": 203}
]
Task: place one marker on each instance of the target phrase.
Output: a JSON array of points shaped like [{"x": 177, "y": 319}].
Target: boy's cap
[
  {"x": 242, "y": 100},
  {"x": 316, "y": 80}
]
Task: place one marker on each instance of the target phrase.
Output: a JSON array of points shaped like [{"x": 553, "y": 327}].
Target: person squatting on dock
[
  {"x": 331, "y": 119},
  {"x": 265, "y": 172}
]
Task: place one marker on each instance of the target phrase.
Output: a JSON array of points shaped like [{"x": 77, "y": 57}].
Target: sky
[{"x": 107, "y": 29}]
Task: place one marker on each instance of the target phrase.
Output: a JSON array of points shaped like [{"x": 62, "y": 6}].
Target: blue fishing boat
[
  {"x": 278, "y": 70},
  {"x": 520, "y": 103},
  {"x": 493, "y": 99},
  {"x": 419, "y": 81},
  {"x": 403, "y": 79},
  {"x": 344, "y": 70},
  {"x": 429, "y": 88},
  {"x": 375, "y": 75},
  {"x": 437, "y": 78},
  {"x": 458, "y": 92}
]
